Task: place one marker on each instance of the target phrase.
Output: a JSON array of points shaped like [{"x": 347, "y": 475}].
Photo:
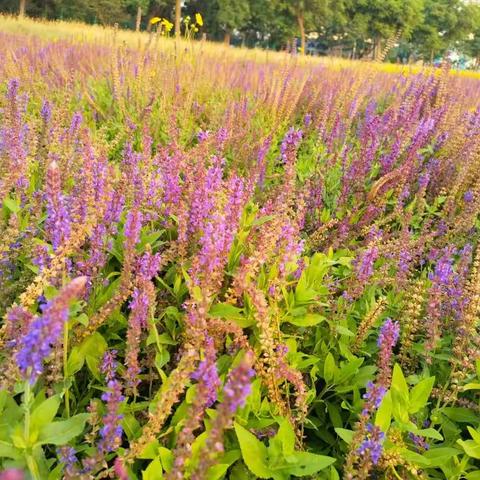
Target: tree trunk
[
  {"x": 301, "y": 26},
  {"x": 377, "y": 48},
  {"x": 139, "y": 19},
  {"x": 178, "y": 12},
  {"x": 21, "y": 9},
  {"x": 226, "y": 38}
]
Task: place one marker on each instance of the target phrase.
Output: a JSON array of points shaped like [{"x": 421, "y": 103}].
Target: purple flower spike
[
  {"x": 44, "y": 331},
  {"x": 389, "y": 334}
]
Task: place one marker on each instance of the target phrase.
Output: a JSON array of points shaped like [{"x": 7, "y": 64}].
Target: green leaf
[
  {"x": 429, "y": 433},
  {"x": 7, "y": 450},
  {"x": 44, "y": 413},
  {"x": 414, "y": 457},
  {"x": 344, "y": 434},
  {"x": 285, "y": 437},
  {"x": 474, "y": 434},
  {"x": 472, "y": 449},
  {"x": 307, "y": 463},
  {"x": 471, "y": 386},
  {"x": 459, "y": 414},
  {"x": 419, "y": 394},
  {"x": 472, "y": 476},
  {"x": 344, "y": 331},
  {"x": 329, "y": 368},
  {"x": 400, "y": 397},
  {"x": 217, "y": 471},
  {"x": 440, "y": 456},
  {"x": 230, "y": 312},
  {"x": 12, "y": 205},
  {"x": 166, "y": 457},
  {"x": 254, "y": 452},
  {"x": 307, "y": 320},
  {"x": 59, "y": 433},
  {"x": 154, "y": 471},
  {"x": 75, "y": 362},
  {"x": 384, "y": 412}
]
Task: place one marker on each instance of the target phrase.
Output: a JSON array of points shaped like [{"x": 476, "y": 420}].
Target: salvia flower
[
  {"x": 375, "y": 394},
  {"x": 388, "y": 336},
  {"x": 44, "y": 331},
  {"x": 58, "y": 223},
  {"x": 372, "y": 446},
  {"x": 468, "y": 196},
  {"x": 290, "y": 143},
  {"x": 68, "y": 457},
  {"x": 111, "y": 432},
  {"x": 207, "y": 373}
]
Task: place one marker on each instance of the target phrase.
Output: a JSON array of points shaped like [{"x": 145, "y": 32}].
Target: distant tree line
[{"x": 355, "y": 28}]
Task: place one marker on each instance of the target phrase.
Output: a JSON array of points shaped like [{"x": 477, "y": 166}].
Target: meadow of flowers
[{"x": 220, "y": 266}]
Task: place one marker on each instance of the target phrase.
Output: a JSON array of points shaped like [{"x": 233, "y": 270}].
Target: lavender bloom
[
  {"x": 139, "y": 309},
  {"x": 468, "y": 196},
  {"x": 109, "y": 365},
  {"x": 424, "y": 180},
  {"x": 238, "y": 387},
  {"x": 419, "y": 442},
  {"x": 222, "y": 135},
  {"x": 203, "y": 135},
  {"x": 133, "y": 225},
  {"x": 372, "y": 445},
  {"x": 148, "y": 265},
  {"x": 375, "y": 394},
  {"x": 75, "y": 124},
  {"x": 261, "y": 162},
  {"x": 364, "y": 265},
  {"x": 46, "y": 111},
  {"x": 307, "y": 119},
  {"x": 111, "y": 432},
  {"x": 204, "y": 197},
  {"x": 207, "y": 373},
  {"x": 44, "y": 331},
  {"x": 58, "y": 218},
  {"x": 404, "y": 261},
  {"x": 290, "y": 143},
  {"x": 67, "y": 456},
  {"x": 389, "y": 334}
]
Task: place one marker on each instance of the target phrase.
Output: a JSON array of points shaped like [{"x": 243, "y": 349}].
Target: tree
[
  {"x": 21, "y": 8},
  {"x": 378, "y": 20},
  {"x": 232, "y": 14},
  {"x": 445, "y": 23},
  {"x": 178, "y": 14},
  {"x": 308, "y": 14}
]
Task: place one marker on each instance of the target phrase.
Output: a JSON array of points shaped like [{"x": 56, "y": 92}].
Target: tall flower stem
[
  {"x": 27, "y": 400},
  {"x": 65, "y": 369}
]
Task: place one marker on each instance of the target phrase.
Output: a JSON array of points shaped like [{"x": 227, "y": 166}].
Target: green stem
[
  {"x": 65, "y": 369},
  {"x": 26, "y": 400},
  {"x": 32, "y": 464}
]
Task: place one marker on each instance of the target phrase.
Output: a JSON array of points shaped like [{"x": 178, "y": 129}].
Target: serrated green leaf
[{"x": 254, "y": 452}]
